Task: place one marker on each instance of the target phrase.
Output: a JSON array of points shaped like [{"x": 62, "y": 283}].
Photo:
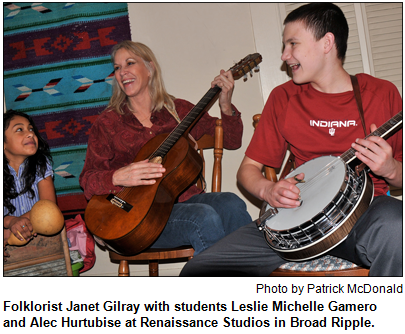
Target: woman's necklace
[{"x": 135, "y": 114}]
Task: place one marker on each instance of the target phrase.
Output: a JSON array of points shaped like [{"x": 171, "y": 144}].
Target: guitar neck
[
  {"x": 184, "y": 126},
  {"x": 384, "y": 131},
  {"x": 246, "y": 65}
]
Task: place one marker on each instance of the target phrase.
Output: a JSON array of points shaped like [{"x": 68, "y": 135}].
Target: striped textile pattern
[{"x": 57, "y": 68}]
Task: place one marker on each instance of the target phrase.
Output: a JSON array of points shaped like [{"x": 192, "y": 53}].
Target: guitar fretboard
[
  {"x": 182, "y": 127},
  {"x": 384, "y": 131}
]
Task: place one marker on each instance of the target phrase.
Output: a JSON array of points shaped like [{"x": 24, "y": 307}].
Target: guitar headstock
[{"x": 246, "y": 65}]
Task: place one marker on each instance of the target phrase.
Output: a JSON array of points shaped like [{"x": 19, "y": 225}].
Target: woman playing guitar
[{"x": 140, "y": 109}]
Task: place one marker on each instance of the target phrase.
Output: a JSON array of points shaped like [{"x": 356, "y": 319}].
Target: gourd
[{"x": 46, "y": 219}]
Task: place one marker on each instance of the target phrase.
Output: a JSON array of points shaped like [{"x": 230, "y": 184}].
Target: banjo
[{"x": 325, "y": 217}]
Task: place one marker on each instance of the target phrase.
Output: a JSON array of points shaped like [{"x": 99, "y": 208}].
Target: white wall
[{"x": 192, "y": 43}]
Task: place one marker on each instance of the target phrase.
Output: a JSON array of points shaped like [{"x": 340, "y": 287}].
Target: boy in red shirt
[{"x": 316, "y": 113}]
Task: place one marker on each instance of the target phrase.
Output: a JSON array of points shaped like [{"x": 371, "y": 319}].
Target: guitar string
[
  {"x": 167, "y": 143},
  {"x": 237, "y": 69}
]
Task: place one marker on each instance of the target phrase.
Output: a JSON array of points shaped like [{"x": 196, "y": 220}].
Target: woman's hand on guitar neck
[
  {"x": 138, "y": 173},
  {"x": 284, "y": 193},
  {"x": 226, "y": 82}
]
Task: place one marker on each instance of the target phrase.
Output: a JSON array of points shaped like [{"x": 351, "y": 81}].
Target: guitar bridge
[{"x": 119, "y": 202}]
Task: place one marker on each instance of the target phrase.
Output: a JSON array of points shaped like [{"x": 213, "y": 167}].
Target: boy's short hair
[{"x": 321, "y": 18}]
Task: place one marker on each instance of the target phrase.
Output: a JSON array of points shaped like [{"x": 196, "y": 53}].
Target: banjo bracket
[
  {"x": 260, "y": 225},
  {"x": 261, "y": 222},
  {"x": 272, "y": 239}
]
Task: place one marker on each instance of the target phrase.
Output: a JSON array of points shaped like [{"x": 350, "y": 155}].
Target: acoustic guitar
[{"x": 131, "y": 220}]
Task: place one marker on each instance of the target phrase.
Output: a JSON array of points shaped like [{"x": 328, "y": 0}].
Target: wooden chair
[
  {"x": 154, "y": 255},
  {"x": 324, "y": 266}
]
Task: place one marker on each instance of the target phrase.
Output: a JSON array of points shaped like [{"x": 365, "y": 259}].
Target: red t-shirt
[
  {"x": 317, "y": 124},
  {"x": 115, "y": 140}
]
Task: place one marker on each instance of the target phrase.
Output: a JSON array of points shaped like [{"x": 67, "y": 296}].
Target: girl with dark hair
[{"x": 27, "y": 173}]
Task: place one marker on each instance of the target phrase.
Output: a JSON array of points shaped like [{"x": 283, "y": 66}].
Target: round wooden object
[{"x": 46, "y": 218}]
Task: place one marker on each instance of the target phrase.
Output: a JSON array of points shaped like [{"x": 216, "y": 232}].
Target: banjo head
[{"x": 324, "y": 178}]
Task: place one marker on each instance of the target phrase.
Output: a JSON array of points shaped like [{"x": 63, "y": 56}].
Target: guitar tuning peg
[
  {"x": 257, "y": 68},
  {"x": 245, "y": 78}
]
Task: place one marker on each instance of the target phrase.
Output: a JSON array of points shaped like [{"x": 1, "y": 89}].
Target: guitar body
[{"x": 132, "y": 229}]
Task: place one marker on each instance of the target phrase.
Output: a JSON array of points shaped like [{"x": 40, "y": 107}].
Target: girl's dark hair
[
  {"x": 321, "y": 18},
  {"x": 36, "y": 164}
]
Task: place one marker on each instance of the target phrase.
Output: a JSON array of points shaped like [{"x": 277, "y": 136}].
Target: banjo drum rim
[
  {"x": 341, "y": 220},
  {"x": 364, "y": 201}
]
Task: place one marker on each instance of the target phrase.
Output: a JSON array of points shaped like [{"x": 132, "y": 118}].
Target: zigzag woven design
[
  {"x": 62, "y": 14},
  {"x": 62, "y": 43},
  {"x": 52, "y": 52},
  {"x": 68, "y": 164},
  {"x": 48, "y": 88},
  {"x": 16, "y": 9},
  {"x": 61, "y": 170},
  {"x": 69, "y": 128},
  {"x": 42, "y": 100},
  {"x": 86, "y": 82}
]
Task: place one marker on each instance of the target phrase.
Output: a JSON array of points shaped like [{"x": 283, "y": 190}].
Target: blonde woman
[{"x": 140, "y": 109}]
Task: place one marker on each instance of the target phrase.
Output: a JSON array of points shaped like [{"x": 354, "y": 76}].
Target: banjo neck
[{"x": 384, "y": 131}]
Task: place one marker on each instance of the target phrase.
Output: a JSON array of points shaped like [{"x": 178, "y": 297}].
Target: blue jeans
[
  {"x": 203, "y": 220},
  {"x": 375, "y": 242}
]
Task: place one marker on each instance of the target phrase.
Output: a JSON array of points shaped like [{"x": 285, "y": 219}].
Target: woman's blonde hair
[{"x": 157, "y": 90}]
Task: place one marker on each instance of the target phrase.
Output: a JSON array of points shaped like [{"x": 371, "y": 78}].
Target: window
[{"x": 375, "y": 39}]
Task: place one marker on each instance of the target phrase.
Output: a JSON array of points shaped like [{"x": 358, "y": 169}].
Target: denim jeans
[
  {"x": 203, "y": 220},
  {"x": 375, "y": 242}
]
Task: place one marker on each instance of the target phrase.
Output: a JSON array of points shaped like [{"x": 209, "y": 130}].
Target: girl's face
[{"x": 20, "y": 141}]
